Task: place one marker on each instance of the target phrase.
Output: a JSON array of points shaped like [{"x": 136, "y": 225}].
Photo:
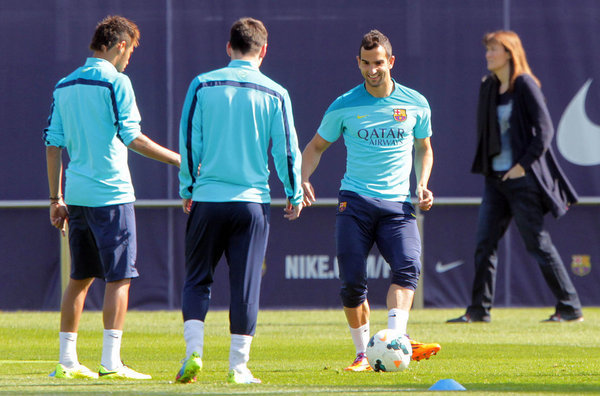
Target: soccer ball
[{"x": 389, "y": 350}]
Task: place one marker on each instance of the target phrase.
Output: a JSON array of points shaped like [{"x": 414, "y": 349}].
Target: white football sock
[
  {"x": 360, "y": 337},
  {"x": 193, "y": 333},
  {"x": 68, "y": 349},
  {"x": 111, "y": 349},
  {"x": 239, "y": 352},
  {"x": 398, "y": 320}
]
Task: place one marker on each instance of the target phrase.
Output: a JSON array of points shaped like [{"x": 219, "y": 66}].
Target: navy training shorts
[
  {"x": 362, "y": 221},
  {"x": 103, "y": 242}
]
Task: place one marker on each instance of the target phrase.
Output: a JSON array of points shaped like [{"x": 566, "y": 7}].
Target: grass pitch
[{"x": 305, "y": 351}]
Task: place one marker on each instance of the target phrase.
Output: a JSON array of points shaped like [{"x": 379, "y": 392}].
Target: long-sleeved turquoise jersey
[
  {"x": 379, "y": 135},
  {"x": 95, "y": 116},
  {"x": 229, "y": 117}
]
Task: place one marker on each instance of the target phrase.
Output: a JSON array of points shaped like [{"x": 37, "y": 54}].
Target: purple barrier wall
[
  {"x": 300, "y": 269},
  {"x": 30, "y": 263},
  {"x": 312, "y": 50},
  {"x": 449, "y": 250}
]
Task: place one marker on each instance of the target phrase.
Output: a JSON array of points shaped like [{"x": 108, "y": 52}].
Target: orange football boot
[{"x": 422, "y": 351}]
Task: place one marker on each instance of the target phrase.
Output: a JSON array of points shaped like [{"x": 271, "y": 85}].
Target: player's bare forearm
[
  {"x": 54, "y": 167},
  {"x": 311, "y": 156},
  {"x": 423, "y": 161},
  {"x": 423, "y": 166},
  {"x": 145, "y": 146},
  {"x": 310, "y": 161},
  {"x": 58, "y": 210}
]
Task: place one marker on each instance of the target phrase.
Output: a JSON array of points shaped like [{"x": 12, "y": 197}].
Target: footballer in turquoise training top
[{"x": 381, "y": 122}]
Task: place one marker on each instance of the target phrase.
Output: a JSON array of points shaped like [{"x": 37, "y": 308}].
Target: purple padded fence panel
[{"x": 449, "y": 250}]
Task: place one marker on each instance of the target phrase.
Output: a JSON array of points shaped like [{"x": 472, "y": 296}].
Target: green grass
[{"x": 304, "y": 352}]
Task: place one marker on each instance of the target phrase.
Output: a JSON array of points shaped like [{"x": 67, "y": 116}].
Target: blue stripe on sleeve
[
  {"x": 188, "y": 144},
  {"x": 49, "y": 123},
  {"x": 113, "y": 98}
]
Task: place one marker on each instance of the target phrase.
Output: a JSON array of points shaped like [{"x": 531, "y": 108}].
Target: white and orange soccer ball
[{"x": 389, "y": 350}]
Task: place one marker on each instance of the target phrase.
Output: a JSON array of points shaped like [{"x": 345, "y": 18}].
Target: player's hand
[
  {"x": 187, "y": 205},
  {"x": 292, "y": 212},
  {"x": 425, "y": 198},
  {"x": 309, "y": 193},
  {"x": 59, "y": 215},
  {"x": 514, "y": 173}
]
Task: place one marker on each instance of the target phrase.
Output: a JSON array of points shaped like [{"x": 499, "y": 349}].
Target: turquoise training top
[
  {"x": 95, "y": 116},
  {"x": 379, "y": 135},
  {"x": 229, "y": 117}
]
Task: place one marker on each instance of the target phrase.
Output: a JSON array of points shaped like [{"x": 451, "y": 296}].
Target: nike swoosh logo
[
  {"x": 577, "y": 137},
  {"x": 441, "y": 268},
  {"x": 359, "y": 117}
]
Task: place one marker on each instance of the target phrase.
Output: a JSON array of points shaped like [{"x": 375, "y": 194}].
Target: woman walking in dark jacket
[{"x": 522, "y": 178}]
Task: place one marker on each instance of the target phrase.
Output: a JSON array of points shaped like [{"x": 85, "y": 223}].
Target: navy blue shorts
[
  {"x": 103, "y": 242},
  {"x": 362, "y": 221}
]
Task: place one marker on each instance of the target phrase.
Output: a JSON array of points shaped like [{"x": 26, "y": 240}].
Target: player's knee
[
  {"x": 353, "y": 295},
  {"x": 406, "y": 279},
  {"x": 406, "y": 284}
]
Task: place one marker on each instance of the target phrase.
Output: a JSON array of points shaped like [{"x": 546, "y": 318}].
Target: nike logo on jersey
[
  {"x": 359, "y": 117},
  {"x": 441, "y": 268}
]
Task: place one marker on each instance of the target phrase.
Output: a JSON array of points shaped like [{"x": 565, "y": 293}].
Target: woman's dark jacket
[{"x": 531, "y": 133}]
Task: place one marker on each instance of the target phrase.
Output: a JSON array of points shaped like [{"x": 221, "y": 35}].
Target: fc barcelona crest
[
  {"x": 342, "y": 206},
  {"x": 400, "y": 115},
  {"x": 581, "y": 264}
]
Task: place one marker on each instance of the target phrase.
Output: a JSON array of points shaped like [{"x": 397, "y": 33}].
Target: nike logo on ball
[
  {"x": 359, "y": 117},
  {"x": 441, "y": 268}
]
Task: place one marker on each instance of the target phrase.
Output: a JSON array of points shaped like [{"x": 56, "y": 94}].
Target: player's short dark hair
[
  {"x": 373, "y": 39},
  {"x": 248, "y": 35},
  {"x": 112, "y": 30}
]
